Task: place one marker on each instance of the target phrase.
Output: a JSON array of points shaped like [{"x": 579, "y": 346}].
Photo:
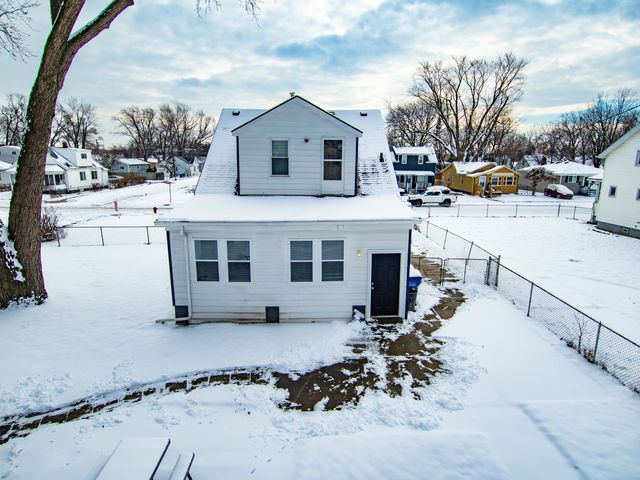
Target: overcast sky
[{"x": 338, "y": 53}]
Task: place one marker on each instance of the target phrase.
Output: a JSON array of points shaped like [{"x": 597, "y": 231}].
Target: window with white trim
[
  {"x": 612, "y": 190},
  {"x": 420, "y": 160},
  {"x": 495, "y": 180},
  {"x": 509, "y": 180},
  {"x": 396, "y": 159},
  {"x": 83, "y": 155},
  {"x": 239, "y": 260},
  {"x": 301, "y": 259},
  {"x": 94, "y": 175},
  {"x": 403, "y": 159},
  {"x": 572, "y": 179},
  {"x": 83, "y": 176},
  {"x": 332, "y": 160},
  {"x": 206, "y": 255},
  {"x": 332, "y": 260},
  {"x": 279, "y": 157}
]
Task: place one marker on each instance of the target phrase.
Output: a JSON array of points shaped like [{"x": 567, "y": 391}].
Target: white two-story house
[
  {"x": 617, "y": 206},
  {"x": 296, "y": 217}
]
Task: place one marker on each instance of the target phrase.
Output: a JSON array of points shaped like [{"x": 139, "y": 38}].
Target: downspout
[
  {"x": 406, "y": 285},
  {"x": 185, "y": 241}
]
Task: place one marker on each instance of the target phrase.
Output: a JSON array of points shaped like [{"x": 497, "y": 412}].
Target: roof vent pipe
[{"x": 292, "y": 94}]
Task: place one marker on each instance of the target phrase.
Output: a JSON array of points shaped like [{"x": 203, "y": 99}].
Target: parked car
[
  {"x": 558, "y": 191},
  {"x": 433, "y": 195}
]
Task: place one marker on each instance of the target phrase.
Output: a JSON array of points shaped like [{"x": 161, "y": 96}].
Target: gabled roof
[
  {"x": 131, "y": 161},
  {"x": 296, "y": 98},
  {"x": 620, "y": 141},
  {"x": 426, "y": 150},
  {"x": 5, "y": 166},
  {"x": 491, "y": 170},
  {"x": 471, "y": 167},
  {"x": 375, "y": 177},
  {"x": 565, "y": 168}
]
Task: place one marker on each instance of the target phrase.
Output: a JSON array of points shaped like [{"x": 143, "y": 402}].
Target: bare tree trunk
[{"x": 26, "y": 200}]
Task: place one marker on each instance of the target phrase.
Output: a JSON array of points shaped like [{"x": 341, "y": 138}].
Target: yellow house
[{"x": 480, "y": 178}]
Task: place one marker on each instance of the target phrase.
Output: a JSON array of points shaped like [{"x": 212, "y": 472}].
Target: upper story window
[
  {"x": 332, "y": 161},
  {"x": 279, "y": 157},
  {"x": 206, "y": 260},
  {"x": 403, "y": 159},
  {"x": 239, "y": 260},
  {"x": 420, "y": 160},
  {"x": 83, "y": 155},
  {"x": 612, "y": 190}
]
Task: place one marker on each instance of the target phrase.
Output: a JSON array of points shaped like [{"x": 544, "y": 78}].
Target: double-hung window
[
  {"x": 508, "y": 180},
  {"x": 279, "y": 157},
  {"x": 420, "y": 160},
  {"x": 239, "y": 260},
  {"x": 495, "y": 180},
  {"x": 403, "y": 159},
  {"x": 94, "y": 175},
  {"x": 83, "y": 176},
  {"x": 332, "y": 260},
  {"x": 332, "y": 156},
  {"x": 301, "y": 252},
  {"x": 207, "y": 260}
]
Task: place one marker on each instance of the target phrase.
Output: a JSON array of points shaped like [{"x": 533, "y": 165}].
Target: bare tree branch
[{"x": 14, "y": 18}]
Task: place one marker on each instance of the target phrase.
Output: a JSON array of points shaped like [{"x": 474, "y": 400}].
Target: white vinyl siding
[
  {"x": 271, "y": 271},
  {"x": 305, "y": 128}
]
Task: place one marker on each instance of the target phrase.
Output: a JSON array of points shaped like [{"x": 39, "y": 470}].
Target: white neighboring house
[
  {"x": 68, "y": 170},
  {"x": 296, "y": 217},
  {"x": 5, "y": 175},
  {"x": 573, "y": 175},
  {"x": 617, "y": 207},
  {"x": 9, "y": 154},
  {"x": 129, "y": 166}
]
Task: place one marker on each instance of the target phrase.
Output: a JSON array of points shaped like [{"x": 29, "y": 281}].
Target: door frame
[{"x": 402, "y": 284}]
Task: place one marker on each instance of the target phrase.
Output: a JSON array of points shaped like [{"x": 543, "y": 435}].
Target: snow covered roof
[
  {"x": 566, "y": 168},
  {"x": 627, "y": 136},
  {"x": 471, "y": 167},
  {"x": 375, "y": 177},
  {"x": 131, "y": 161},
  {"x": 5, "y": 166},
  {"x": 489, "y": 171},
  {"x": 426, "y": 150},
  {"x": 244, "y": 209}
]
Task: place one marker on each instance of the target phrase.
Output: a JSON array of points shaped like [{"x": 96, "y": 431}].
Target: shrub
[{"x": 50, "y": 228}]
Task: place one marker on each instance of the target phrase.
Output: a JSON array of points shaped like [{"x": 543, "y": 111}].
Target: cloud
[{"x": 358, "y": 54}]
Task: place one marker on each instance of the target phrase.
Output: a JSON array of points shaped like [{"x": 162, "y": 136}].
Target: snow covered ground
[
  {"x": 592, "y": 270},
  {"x": 516, "y": 402}
]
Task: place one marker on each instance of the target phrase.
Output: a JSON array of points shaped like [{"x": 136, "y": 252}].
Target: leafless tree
[
  {"x": 408, "y": 124},
  {"x": 139, "y": 126},
  {"x": 470, "y": 97},
  {"x": 14, "y": 19},
  {"x": 78, "y": 124},
  {"x": 13, "y": 118},
  {"x": 538, "y": 175},
  {"x": 61, "y": 47}
]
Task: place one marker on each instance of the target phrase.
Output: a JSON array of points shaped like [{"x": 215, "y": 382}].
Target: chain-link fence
[
  {"x": 506, "y": 210},
  {"x": 595, "y": 341},
  {"x": 89, "y": 235}
]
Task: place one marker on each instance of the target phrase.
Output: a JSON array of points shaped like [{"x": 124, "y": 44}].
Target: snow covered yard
[
  {"x": 592, "y": 270},
  {"x": 515, "y": 402}
]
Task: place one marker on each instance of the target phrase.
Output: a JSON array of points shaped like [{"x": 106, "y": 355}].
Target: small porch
[{"x": 414, "y": 181}]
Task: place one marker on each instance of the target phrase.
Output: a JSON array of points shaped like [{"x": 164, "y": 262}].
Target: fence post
[
  {"x": 497, "y": 271},
  {"x": 530, "y": 296},
  {"x": 446, "y": 234},
  {"x": 148, "y": 241},
  {"x": 58, "y": 236},
  {"x": 443, "y": 263},
  {"x": 427, "y": 233},
  {"x": 487, "y": 210},
  {"x": 470, "y": 249},
  {"x": 595, "y": 349},
  {"x": 574, "y": 211},
  {"x": 487, "y": 272},
  {"x": 558, "y": 210},
  {"x": 101, "y": 236},
  {"x": 516, "y": 211}
]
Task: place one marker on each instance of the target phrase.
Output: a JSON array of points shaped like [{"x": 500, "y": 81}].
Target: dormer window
[
  {"x": 332, "y": 168},
  {"x": 83, "y": 155},
  {"x": 279, "y": 157},
  {"x": 403, "y": 159},
  {"x": 420, "y": 160}
]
